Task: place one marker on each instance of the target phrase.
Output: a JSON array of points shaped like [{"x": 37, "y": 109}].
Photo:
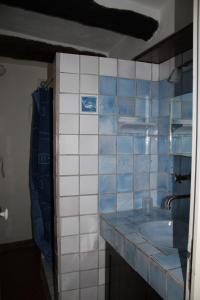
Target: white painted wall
[{"x": 16, "y": 87}]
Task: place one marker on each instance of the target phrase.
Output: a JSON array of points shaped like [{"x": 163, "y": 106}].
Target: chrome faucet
[{"x": 171, "y": 198}]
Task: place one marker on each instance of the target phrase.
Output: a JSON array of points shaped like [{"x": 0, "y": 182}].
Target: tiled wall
[{"x": 101, "y": 166}]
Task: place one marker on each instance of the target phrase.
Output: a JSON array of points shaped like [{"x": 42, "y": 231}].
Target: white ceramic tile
[
  {"x": 102, "y": 259},
  {"x": 89, "y": 260},
  {"x": 155, "y": 72},
  {"x": 89, "y": 293},
  {"x": 88, "y": 224},
  {"x": 89, "y": 84},
  {"x": 68, "y": 165},
  {"x": 102, "y": 243},
  {"x": 102, "y": 276},
  {"x": 88, "y": 185},
  {"x": 89, "y": 64},
  {"x": 70, "y": 281},
  {"x": 126, "y": 69},
  {"x": 69, "y": 263},
  {"x": 69, "y": 103},
  {"x": 88, "y": 204},
  {"x": 68, "y": 124},
  {"x": 69, "y": 226},
  {"x": 89, "y": 165},
  {"x": 69, "y": 185},
  {"x": 88, "y": 278},
  {"x": 164, "y": 70},
  {"x": 88, "y": 242},
  {"x": 68, "y": 206},
  {"x": 143, "y": 70},
  {"x": 108, "y": 66},
  {"x": 70, "y": 295},
  {"x": 70, "y": 244},
  {"x": 89, "y": 144},
  {"x": 88, "y": 124},
  {"x": 68, "y": 144},
  {"x": 69, "y": 63},
  {"x": 69, "y": 83},
  {"x": 101, "y": 292}
]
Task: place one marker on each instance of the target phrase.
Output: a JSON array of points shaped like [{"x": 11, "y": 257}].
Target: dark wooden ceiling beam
[{"x": 90, "y": 13}]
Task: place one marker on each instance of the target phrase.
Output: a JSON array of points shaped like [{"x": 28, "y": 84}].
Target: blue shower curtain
[{"x": 41, "y": 171}]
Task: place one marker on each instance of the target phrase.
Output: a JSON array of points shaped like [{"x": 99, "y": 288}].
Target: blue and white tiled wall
[{"x": 101, "y": 166}]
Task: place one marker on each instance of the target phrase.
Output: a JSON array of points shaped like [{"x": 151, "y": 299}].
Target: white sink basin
[{"x": 166, "y": 235}]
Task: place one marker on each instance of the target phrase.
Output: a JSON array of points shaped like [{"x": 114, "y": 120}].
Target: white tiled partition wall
[{"x": 80, "y": 250}]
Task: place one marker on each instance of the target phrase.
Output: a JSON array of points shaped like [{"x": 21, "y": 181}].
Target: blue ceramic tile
[
  {"x": 141, "y": 181},
  {"x": 154, "y": 145},
  {"x": 124, "y": 201},
  {"x": 154, "y": 196},
  {"x": 141, "y": 264},
  {"x": 172, "y": 261},
  {"x": 174, "y": 290},
  {"x": 187, "y": 97},
  {"x": 164, "y": 107},
  {"x": 155, "y": 108},
  {"x": 161, "y": 196},
  {"x": 89, "y": 104},
  {"x": 107, "y": 164},
  {"x": 129, "y": 253},
  {"x": 143, "y": 88},
  {"x": 164, "y": 126},
  {"x": 108, "y": 85},
  {"x": 186, "y": 144},
  {"x": 176, "y": 110},
  {"x": 153, "y": 181},
  {"x": 126, "y": 87},
  {"x": 187, "y": 82},
  {"x": 179, "y": 274},
  {"x": 141, "y": 163},
  {"x": 163, "y": 163},
  {"x": 163, "y": 145},
  {"x": 107, "y": 184},
  {"x": 107, "y": 124},
  {"x": 187, "y": 110},
  {"x": 163, "y": 181},
  {"x": 135, "y": 238},
  {"x": 124, "y": 145},
  {"x": 107, "y": 145},
  {"x": 148, "y": 248},
  {"x": 119, "y": 242},
  {"x": 107, "y": 105},
  {"x": 157, "y": 280},
  {"x": 154, "y": 89},
  {"x": 126, "y": 106},
  {"x": 142, "y": 108},
  {"x": 107, "y": 203},
  {"x": 154, "y": 163},
  {"x": 124, "y": 183},
  {"x": 124, "y": 164},
  {"x": 166, "y": 89},
  {"x": 141, "y": 145},
  {"x": 177, "y": 144}
]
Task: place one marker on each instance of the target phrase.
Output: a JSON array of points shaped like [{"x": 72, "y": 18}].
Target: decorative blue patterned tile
[
  {"x": 163, "y": 145},
  {"x": 124, "y": 183},
  {"x": 157, "y": 279},
  {"x": 166, "y": 89},
  {"x": 126, "y": 106},
  {"x": 124, "y": 201},
  {"x": 107, "y": 145},
  {"x": 142, "y": 108},
  {"x": 143, "y": 88},
  {"x": 107, "y": 124},
  {"x": 141, "y": 145},
  {"x": 141, "y": 163},
  {"x": 108, "y": 85},
  {"x": 126, "y": 87},
  {"x": 107, "y": 105},
  {"x": 187, "y": 110},
  {"x": 107, "y": 184},
  {"x": 124, "y": 145},
  {"x": 174, "y": 290},
  {"x": 141, "y": 181},
  {"x": 107, "y": 164},
  {"x": 124, "y": 164},
  {"x": 107, "y": 203},
  {"x": 89, "y": 104}
]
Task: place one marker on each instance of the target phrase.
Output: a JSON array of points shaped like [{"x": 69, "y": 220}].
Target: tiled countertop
[{"x": 162, "y": 268}]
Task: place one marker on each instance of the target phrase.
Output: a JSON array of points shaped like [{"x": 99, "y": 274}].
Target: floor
[{"x": 22, "y": 276}]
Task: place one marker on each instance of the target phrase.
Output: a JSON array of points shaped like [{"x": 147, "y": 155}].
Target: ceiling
[{"x": 151, "y": 3}]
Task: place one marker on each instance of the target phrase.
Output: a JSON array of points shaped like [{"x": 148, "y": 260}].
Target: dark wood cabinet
[{"x": 123, "y": 282}]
